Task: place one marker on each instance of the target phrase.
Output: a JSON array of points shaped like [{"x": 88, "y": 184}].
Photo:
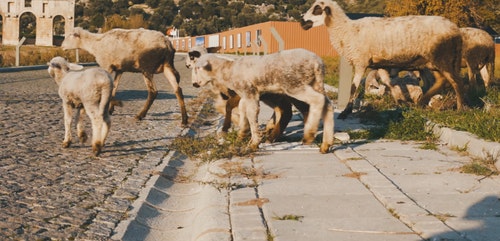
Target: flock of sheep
[{"x": 280, "y": 80}]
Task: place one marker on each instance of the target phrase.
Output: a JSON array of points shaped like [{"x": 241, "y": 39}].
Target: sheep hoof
[
  {"x": 83, "y": 137},
  {"x": 96, "y": 148},
  {"x": 324, "y": 148},
  {"x": 139, "y": 117},
  {"x": 66, "y": 144},
  {"x": 111, "y": 109},
  {"x": 254, "y": 147}
]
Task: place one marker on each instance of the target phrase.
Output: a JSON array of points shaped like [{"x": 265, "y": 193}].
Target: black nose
[
  {"x": 306, "y": 25},
  {"x": 196, "y": 85}
]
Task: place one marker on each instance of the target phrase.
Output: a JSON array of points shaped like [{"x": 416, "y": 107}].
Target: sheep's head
[
  {"x": 58, "y": 66},
  {"x": 196, "y": 52},
  {"x": 202, "y": 71},
  {"x": 72, "y": 40},
  {"x": 316, "y": 15}
]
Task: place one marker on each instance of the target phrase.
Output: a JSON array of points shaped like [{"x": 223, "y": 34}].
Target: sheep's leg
[
  {"x": 243, "y": 124},
  {"x": 116, "y": 81},
  {"x": 301, "y": 106},
  {"x": 173, "y": 77},
  {"x": 104, "y": 130},
  {"x": 436, "y": 86},
  {"x": 316, "y": 103},
  {"x": 104, "y": 114},
  {"x": 281, "y": 116},
  {"x": 358, "y": 75},
  {"x": 152, "y": 93},
  {"x": 67, "y": 125},
  {"x": 82, "y": 135},
  {"x": 231, "y": 103},
  {"x": 328, "y": 126},
  {"x": 456, "y": 83},
  {"x": 249, "y": 108},
  {"x": 97, "y": 124},
  {"x": 485, "y": 75}
]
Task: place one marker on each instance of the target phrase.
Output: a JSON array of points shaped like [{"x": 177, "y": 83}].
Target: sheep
[
  {"x": 297, "y": 73},
  {"x": 227, "y": 101},
  {"x": 374, "y": 42},
  {"x": 88, "y": 92},
  {"x": 478, "y": 54},
  {"x": 136, "y": 50}
]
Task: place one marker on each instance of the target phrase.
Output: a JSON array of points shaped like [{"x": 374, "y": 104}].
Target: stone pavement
[
  {"x": 51, "y": 193},
  {"x": 377, "y": 190}
]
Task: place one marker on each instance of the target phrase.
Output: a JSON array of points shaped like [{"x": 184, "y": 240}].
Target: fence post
[
  {"x": 264, "y": 44},
  {"x": 345, "y": 82},
  {"x": 18, "y": 48},
  {"x": 278, "y": 38}
]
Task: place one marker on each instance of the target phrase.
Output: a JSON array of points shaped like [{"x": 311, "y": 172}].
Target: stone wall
[{"x": 44, "y": 10}]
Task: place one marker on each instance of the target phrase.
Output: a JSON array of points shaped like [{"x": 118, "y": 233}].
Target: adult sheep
[
  {"x": 226, "y": 101},
  {"x": 297, "y": 73},
  {"x": 87, "y": 91},
  {"x": 478, "y": 54},
  {"x": 135, "y": 50},
  {"x": 374, "y": 42}
]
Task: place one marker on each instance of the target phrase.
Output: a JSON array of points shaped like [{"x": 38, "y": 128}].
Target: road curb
[{"x": 464, "y": 140}]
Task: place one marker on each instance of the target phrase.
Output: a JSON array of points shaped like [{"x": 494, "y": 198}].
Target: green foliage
[
  {"x": 195, "y": 17},
  {"x": 475, "y": 13}
]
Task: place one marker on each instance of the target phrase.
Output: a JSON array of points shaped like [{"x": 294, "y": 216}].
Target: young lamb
[
  {"x": 297, "y": 73},
  {"x": 478, "y": 53},
  {"x": 227, "y": 101},
  {"x": 136, "y": 50},
  {"x": 87, "y": 91},
  {"x": 373, "y": 42}
]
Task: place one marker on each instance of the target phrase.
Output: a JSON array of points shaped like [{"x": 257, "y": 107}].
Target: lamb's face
[
  {"x": 315, "y": 16},
  {"x": 194, "y": 54},
  {"x": 58, "y": 66},
  {"x": 202, "y": 73},
  {"x": 191, "y": 58}
]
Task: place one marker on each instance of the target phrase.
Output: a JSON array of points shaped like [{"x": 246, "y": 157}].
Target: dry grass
[{"x": 37, "y": 55}]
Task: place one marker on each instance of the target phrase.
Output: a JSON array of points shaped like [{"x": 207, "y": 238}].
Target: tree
[{"x": 465, "y": 13}]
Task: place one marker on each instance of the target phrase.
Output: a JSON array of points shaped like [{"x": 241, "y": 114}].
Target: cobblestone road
[{"x": 51, "y": 193}]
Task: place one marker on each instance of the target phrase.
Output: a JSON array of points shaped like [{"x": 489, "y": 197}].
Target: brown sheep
[{"x": 136, "y": 50}]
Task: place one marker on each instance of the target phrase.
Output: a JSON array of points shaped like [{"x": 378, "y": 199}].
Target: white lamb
[
  {"x": 297, "y": 73},
  {"x": 135, "y": 50},
  {"x": 226, "y": 101},
  {"x": 86, "y": 91},
  {"x": 385, "y": 43}
]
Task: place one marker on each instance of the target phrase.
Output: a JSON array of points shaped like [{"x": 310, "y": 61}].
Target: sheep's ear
[
  {"x": 328, "y": 11},
  {"x": 75, "y": 66},
  {"x": 207, "y": 66}
]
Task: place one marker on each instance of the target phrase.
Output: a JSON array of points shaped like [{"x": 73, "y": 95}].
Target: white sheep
[
  {"x": 226, "y": 101},
  {"x": 136, "y": 50},
  {"x": 385, "y": 43},
  {"x": 297, "y": 73},
  {"x": 478, "y": 53},
  {"x": 86, "y": 91}
]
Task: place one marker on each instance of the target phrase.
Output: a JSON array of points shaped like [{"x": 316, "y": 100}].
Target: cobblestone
[{"x": 51, "y": 193}]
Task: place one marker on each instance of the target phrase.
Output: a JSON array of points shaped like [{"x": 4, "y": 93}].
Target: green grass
[
  {"x": 211, "y": 147},
  {"x": 408, "y": 122}
]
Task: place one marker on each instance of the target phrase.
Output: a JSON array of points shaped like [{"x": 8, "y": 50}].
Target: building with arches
[{"x": 44, "y": 11}]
